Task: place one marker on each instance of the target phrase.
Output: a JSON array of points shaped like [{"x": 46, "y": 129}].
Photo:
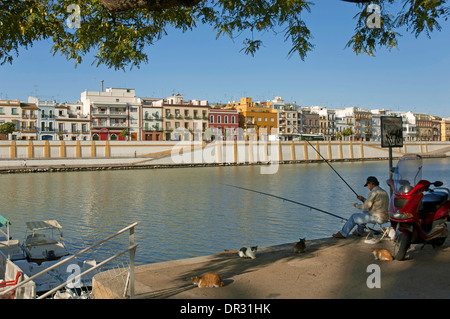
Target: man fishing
[{"x": 375, "y": 210}]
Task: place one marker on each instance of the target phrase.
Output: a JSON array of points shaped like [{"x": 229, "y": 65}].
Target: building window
[
  {"x": 219, "y": 119},
  {"x": 226, "y": 119},
  {"x": 233, "y": 119},
  {"x": 211, "y": 118}
]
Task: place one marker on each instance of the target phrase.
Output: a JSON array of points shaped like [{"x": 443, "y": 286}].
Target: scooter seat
[{"x": 432, "y": 201}]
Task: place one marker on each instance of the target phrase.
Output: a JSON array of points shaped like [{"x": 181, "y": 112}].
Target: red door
[{"x": 103, "y": 135}]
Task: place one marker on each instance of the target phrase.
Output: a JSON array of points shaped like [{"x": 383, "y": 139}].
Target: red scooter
[{"x": 417, "y": 212}]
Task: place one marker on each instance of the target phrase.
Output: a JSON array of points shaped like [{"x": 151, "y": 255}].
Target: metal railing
[{"x": 130, "y": 282}]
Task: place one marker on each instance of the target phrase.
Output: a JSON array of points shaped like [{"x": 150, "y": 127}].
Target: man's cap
[{"x": 372, "y": 179}]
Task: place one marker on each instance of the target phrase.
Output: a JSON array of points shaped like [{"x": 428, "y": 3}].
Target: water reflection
[{"x": 189, "y": 211}]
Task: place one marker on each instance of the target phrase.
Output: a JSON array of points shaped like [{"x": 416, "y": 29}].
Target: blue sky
[{"x": 413, "y": 77}]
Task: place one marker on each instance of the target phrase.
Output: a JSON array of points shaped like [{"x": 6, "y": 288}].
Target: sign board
[{"x": 391, "y": 131}]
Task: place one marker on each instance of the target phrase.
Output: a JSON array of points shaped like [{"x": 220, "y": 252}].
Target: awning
[
  {"x": 44, "y": 224},
  {"x": 3, "y": 221}
]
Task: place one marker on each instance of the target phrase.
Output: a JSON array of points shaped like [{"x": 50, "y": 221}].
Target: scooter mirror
[{"x": 438, "y": 183}]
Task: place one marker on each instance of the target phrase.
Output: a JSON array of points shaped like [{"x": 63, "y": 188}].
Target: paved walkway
[
  {"x": 19, "y": 163},
  {"x": 329, "y": 269}
]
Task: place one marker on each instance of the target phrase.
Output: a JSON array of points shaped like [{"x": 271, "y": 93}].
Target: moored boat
[
  {"x": 40, "y": 243},
  {"x": 42, "y": 248}
]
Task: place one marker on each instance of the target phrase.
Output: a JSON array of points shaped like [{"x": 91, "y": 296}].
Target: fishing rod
[
  {"x": 326, "y": 161},
  {"x": 289, "y": 200}
]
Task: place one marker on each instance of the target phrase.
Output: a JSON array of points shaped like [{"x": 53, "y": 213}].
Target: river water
[{"x": 188, "y": 212}]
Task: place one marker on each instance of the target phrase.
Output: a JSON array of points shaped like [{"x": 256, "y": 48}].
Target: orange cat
[
  {"x": 208, "y": 280},
  {"x": 382, "y": 254}
]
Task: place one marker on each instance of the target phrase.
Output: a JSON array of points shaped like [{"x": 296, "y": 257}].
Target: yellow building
[{"x": 254, "y": 116}]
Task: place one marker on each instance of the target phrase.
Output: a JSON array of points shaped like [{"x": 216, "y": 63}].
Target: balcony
[
  {"x": 28, "y": 130},
  {"x": 152, "y": 118},
  {"x": 105, "y": 114},
  {"x": 152, "y": 128},
  {"x": 109, "y": 125},
  {"x": 118, "y": 114},
  {"x": 27, "y": 116}
]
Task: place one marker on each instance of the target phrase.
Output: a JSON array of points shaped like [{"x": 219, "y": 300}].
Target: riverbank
[
  {"x": 328, "y": 269},
  {"x": 50, "y": 156},
  {"x": 125, "y": 163}
]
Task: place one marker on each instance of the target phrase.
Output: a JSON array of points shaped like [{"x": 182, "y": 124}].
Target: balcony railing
[
  {"x": 121, "y": 125},
  {"x": 106, "y": 114},
  {"x": 28, "y": 130},
  {"x": 153, "y": 128}
]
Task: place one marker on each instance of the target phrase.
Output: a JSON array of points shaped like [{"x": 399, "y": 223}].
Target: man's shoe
[{"x": 338, "y": 235}]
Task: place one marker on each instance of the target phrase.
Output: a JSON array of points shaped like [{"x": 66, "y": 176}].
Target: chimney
[{"x": 102, "y": 85}]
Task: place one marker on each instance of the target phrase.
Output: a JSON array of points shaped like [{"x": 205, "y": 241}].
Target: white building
[
  {"x": 288, "y": 118},
  {"x": 71, "y": 125},
  {"x": 114, "y": 114},
  {"x": 46, "y": 128},
  {"x": 152, "y": 119},
  {"x": 327, "y": 121}
]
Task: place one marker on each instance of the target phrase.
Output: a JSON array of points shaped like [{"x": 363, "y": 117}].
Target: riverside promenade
[
  {"x": 42, "y": 156},
  {"x": 328, "y": 269}
]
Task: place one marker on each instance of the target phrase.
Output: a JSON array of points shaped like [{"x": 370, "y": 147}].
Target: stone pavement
[{"x": 328, "y": 269}]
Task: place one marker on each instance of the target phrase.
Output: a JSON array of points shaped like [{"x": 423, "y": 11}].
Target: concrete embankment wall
[
  {"x": 168, "y": 154},
  {"x": 78, "y": 149},
  {"x": 261, "y": 152}
]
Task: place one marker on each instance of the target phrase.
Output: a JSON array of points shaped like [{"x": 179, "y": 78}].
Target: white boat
[
  {"x": 10, "y": 274},
  {"x": 42, "y": 248},
  {"x": 40, "y": 243}
]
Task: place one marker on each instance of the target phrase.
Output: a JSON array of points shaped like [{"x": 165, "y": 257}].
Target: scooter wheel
[{"x": 401, "y": 245}]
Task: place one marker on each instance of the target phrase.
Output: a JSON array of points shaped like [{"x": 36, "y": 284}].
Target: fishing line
[
  {"x": 326, "y": 161},
  {"x": 289, "y": 200}
]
